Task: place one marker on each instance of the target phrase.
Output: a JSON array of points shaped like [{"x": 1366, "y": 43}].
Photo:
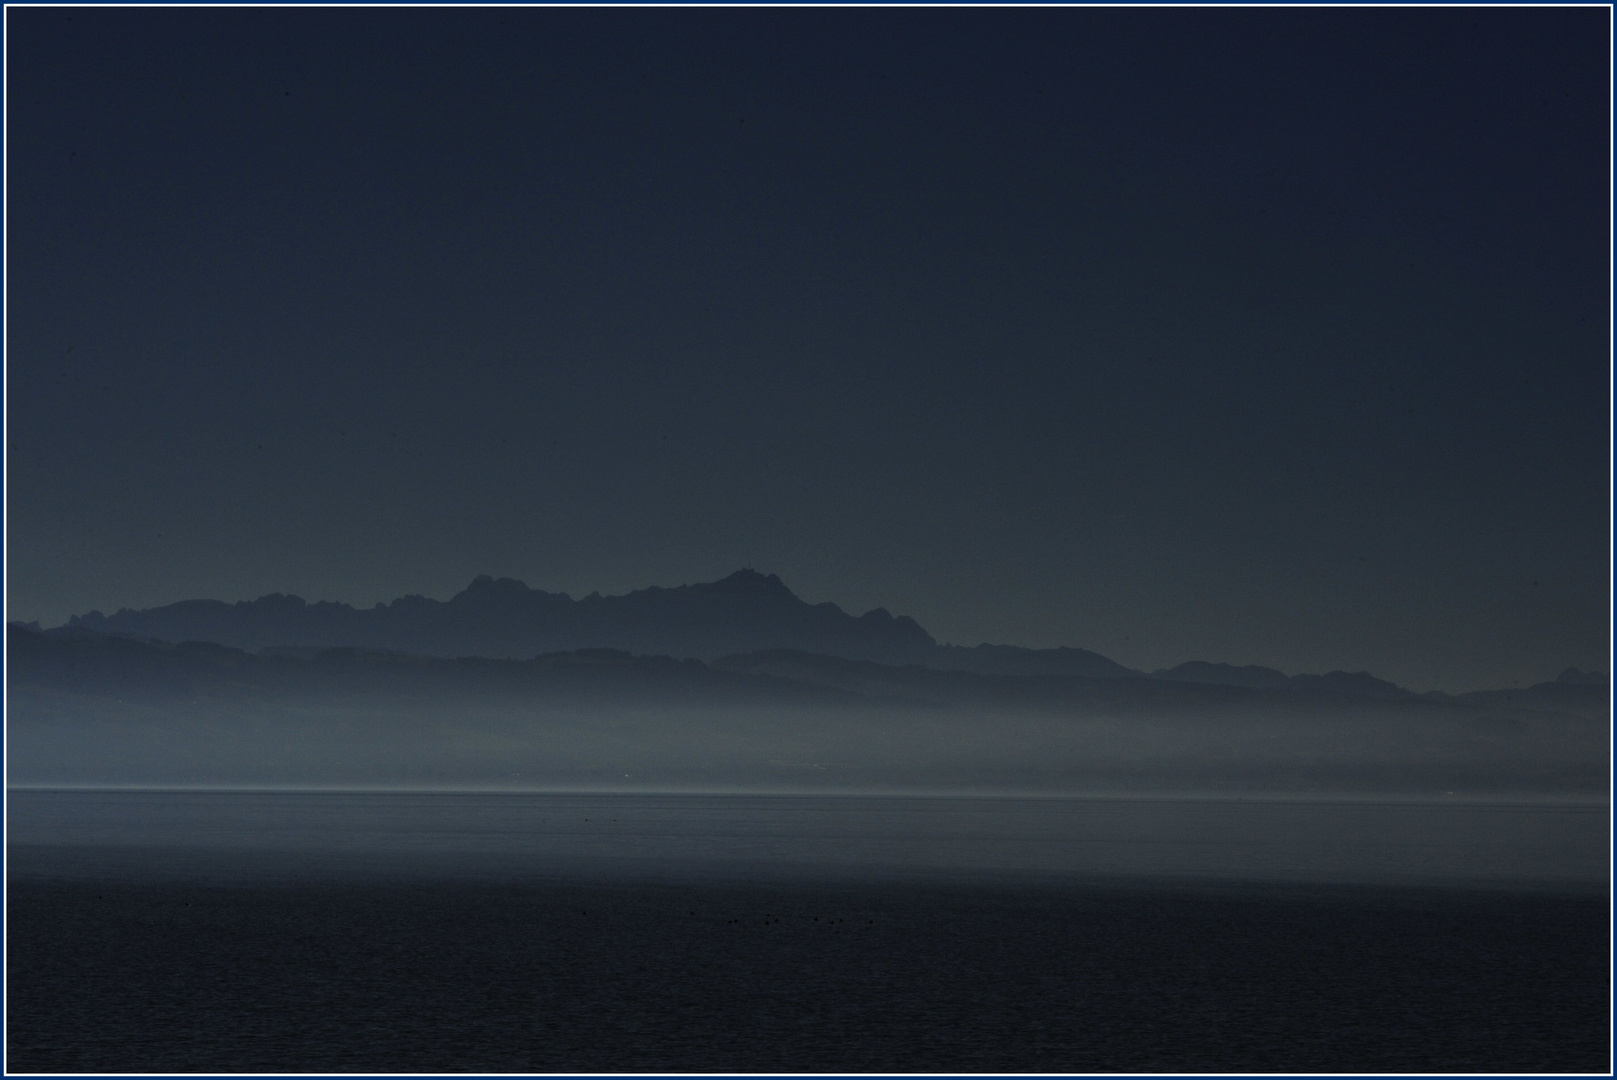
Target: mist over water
[
  {"x": 290, "y": 835},
  {"x": 597, "y": 885},
  {"x": 594, "y": 861},
  {"x": 667, "y": 868},
  {"x": 234, "y": 931},
  {"x": 61, "y": 740}
]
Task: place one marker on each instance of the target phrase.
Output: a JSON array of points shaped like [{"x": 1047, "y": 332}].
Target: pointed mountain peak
[
  {"x": 750, "y": 581},
  {"x": 485, "y": 587},
  {"x": 275, "y": 600}
]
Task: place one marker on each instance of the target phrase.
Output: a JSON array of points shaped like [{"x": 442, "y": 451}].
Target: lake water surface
[
  {"x": 415, "y": 932},
  {"x": 829, "y": 836}
]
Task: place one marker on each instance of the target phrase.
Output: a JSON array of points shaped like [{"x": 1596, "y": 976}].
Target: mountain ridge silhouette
[
  {"x": 85, "y": 662},
  {"x": 746, "y": 612},
  {"x": 503, "y": 617}
]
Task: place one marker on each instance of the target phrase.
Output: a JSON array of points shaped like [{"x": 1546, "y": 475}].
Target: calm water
[{"x": 341, "y": 932}]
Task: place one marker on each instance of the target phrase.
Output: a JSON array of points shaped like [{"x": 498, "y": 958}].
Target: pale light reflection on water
[
  {"x": 692, "y": 835},
  {"x": 319, "y": 932}
]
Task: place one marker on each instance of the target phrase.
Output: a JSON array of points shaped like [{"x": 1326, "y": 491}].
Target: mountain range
[
  {"x": 745, "y": 614},
  {"x": 504, "y": 618},
  {"x": 737, "y": 684},
  {"x": 112, "y": 666}
]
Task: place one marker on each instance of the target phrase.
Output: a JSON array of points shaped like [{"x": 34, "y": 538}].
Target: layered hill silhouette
[
  {"x": 104, "y": 665},
  {"x": 747, "y": 614},
  {"x": 504, "y": 618},
  {"x": 87, "y": 707},
  {"x": 501, "y": 617}
]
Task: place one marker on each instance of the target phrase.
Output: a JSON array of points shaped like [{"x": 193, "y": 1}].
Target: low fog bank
[
  {"x": 57, "y": 738},
  {"x": 111, "y": 711},
  {"x": 287, "y": 836}
]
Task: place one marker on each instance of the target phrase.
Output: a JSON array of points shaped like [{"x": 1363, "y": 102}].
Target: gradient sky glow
[{"x": 1262, "y": 336}]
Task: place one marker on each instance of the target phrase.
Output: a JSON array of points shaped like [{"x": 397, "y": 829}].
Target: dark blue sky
[{"x": 1266, "y": 336}]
